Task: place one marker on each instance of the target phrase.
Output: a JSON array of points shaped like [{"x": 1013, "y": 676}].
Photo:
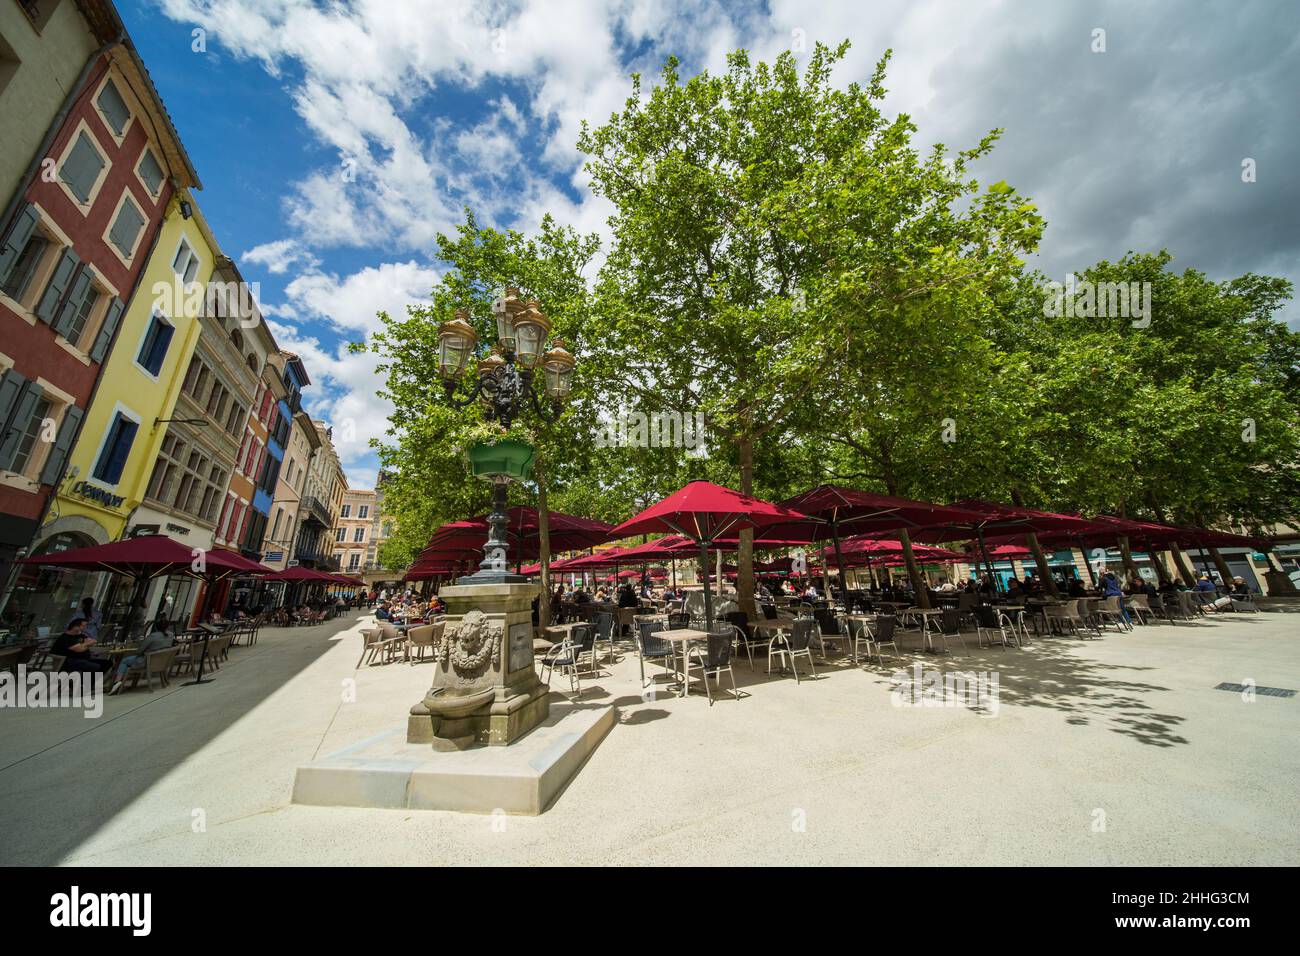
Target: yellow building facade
[{"x": 126, "y": 422}]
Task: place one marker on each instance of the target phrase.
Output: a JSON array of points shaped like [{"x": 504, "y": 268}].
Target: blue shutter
[
  {"x": 59, "y": 282},
  {"x": 72, "y": 303},
  {"x": 161, "y": 340},
  {"x": 25, "y": 405},
  {"x": 112, "y": 459},
  {"x": 62, "y": 445},
  {"x": 107, "y": 330},
  {"x": 19, "y": 233}
]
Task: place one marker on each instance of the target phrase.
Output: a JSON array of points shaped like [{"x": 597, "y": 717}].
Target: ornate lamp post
[{"x": 504, "y": 388}]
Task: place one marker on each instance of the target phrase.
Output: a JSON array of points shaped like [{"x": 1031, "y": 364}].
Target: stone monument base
[
  {"x": 505, "y": 717},
  {"x": 525, "y": 778}
]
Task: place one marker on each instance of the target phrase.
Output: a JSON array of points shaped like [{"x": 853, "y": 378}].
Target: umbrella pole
[
  {"x": 839, "y": 555},
  {"x": 988, "y": 565},
  {"x": 708, "y": 598}
]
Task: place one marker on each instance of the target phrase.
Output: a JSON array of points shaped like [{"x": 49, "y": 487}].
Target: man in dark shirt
[
  {"x": 74, "y": 647},
  {"x": 627, "y": 597}
]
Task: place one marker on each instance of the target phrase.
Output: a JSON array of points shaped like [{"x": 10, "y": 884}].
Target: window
[
  {"x": 38, "y": 11},
  {"x": 354, "y": 561},
  {"x": 112, "y": 457},
  {"x": 363, "y": 511},
  {"x": 156, "y": 341},
  {"x": 186, "y": 263},
  {"x": 150, "y": 172},
  {"x": 341, "y": 535},
  {"x": 81, "y": 305},
  {"x": 19, "y": 279},
  {"x": 359, "y": 535},
  {"x": 346, "y": 512},
  {"x": 199, "y": 482},
  {"x": 29, "y": 435},
  {"x": 126, "y": 228},
  {"x": 81, "y": 168},
  {"x": 113, "y": 108}
]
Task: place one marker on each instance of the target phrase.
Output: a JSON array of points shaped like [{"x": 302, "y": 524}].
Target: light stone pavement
[{"x": 1108, "y": 752}]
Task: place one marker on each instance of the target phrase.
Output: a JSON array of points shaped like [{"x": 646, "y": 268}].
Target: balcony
[{"x": 313, "y": 509}]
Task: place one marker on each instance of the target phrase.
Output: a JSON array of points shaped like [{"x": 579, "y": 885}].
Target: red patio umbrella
[{"x": 705, "y": 512}]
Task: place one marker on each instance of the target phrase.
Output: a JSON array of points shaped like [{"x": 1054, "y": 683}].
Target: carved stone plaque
[{"x": 521, "y": 645}]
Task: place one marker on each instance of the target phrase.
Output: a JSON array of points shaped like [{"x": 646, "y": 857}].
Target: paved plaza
[{"x": 1107, "y": 752}]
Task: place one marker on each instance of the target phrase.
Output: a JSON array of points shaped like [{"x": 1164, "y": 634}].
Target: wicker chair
[
  {"x": 420, "y": 640},
  {"x": 156, "y": 664}
]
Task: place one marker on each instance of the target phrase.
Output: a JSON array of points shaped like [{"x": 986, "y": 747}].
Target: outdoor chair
[
  {"x": 605, "y": 631},
  {"x": 1140, "y": 608},
  {"x": 785, "y": 647},
  {"x": 745, "y": 638},
  {"x": 714, "y": 659},
  {"x": 769, "y": 611},
  {"x": 564, "y": 657},
  {"x": 678, "y": 619},
  {"x": 649, "y": 647},
  {"x": 1058, "y": 619},
  {"x": 1074, "y": 611},
  {"x": 584, "y": 637},
  {"x": 1110, "y": 612},
  {"x": 882, "y": 635},
  {"x": 156, "y": 664},
  {"x": 420, "y": 640},
  {"x": 989, "y": 619},
  {"x": 1245, "y": 604},
  {"x": 949, "y": 625},
  {"x": 829, "y": 631}
]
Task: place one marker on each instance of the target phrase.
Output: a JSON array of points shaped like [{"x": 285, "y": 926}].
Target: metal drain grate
[{"x": 1262, "y": 691}]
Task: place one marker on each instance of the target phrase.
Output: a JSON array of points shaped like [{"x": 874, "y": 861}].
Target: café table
[{"x": 682, "y": 637}]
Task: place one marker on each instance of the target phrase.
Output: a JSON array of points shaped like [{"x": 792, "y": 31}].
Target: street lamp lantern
[
  {"x": 557, "y": 370},
  {"x": 505, "y": 310},
  {"x": 456, "y": 342},
  {"x": 531, "y": 330}
]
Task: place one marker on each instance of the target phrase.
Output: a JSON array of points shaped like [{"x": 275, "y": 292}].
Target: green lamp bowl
[{"x": 513, "y": 459}]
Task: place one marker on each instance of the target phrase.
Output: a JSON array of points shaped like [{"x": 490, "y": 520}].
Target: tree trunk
[
  {"x": 543, "y": 541},
  {"x": 1158, "y": 562},
  {"x": 913, "y": 571},
  {"x": 1175, "y": 551},
  {"x": 1224, "y": 571},
  {"x": 1126, "y": 555},
  {"x": 745, "y": 558}
]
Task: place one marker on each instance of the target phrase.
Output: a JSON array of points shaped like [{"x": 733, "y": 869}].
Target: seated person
[
  {"x": 161, "y": 637},
  {"x": 74, "y": 647},
  {"x": 382, "y": 613},
  {"x": 1014, "y": 588},
  {"x": 581, "y": 597},
  {"x": 1203, "y": 583},
  {"x": 627, "y": 597},
  {"x": 1239, "y": 592}
]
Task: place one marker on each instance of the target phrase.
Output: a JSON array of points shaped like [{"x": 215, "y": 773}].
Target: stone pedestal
[{"x": 485, "y": 690}]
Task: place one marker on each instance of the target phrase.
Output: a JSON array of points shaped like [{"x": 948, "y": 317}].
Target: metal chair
[
  {"x": 649, "y": 647},
  {"x": 949, "y": 625},
  {"x": 988, "y": 619},
  {"x": 605, "y": 631},
  {"x": 717, "y": 659},
  {"x": 745, "y": 638},
  {"x": 1141, "y": 608},
  {"x": 785, "y": 647},
  {"x": 828, "y": 631},
  {"x": 1110, "y": 612},
  {"x": 563, "y": 656}
]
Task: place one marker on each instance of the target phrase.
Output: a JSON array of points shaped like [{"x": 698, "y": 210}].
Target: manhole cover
[{"x": 1264, "y": 691}]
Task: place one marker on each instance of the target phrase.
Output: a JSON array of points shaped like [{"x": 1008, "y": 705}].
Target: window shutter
[
  {"x": 11, "y": 384},
  {"x": 59, "y": 281},
  {"x": 161, "y": 341},
  {"x": 62, "y": 445},
  {"x": 72, "y": 304},
  {"x": 25, "y": 405},
  {"x": 114, "y": 107},
  {"x": 126, "y": 228},
  {"x": 107, "y": 330},
  {"x": 81, "y": 168},
  {"x": 19, "y": 233},
  {"x": 115, "y": 456},
  {"x": 150, "y": 171}
]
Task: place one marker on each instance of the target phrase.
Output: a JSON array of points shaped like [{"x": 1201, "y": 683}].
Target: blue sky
[{"x": 436, "y": 105}]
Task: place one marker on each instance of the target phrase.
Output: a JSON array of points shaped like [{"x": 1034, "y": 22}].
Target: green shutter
[
  {"x": 126, "y": 228},
  {"x": 62, "y": 445},
  {"x": 11, "y": 384},
  {"x": 81, "y": 168},
  {"x": 22, "y": 229},
  {"x": 59, "y": 281},
  {"x": 106, "y": 331},
  {"x": 150, "y": 171},
  {"x": 72, "y": 303},
  {"x": 18, "y": 424},
  {"x": 114, "y": 107}
]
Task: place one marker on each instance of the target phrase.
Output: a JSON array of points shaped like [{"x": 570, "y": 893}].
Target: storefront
[{"x": 42, "y": 600}]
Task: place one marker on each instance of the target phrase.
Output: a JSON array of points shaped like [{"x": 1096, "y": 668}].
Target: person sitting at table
[
  {"x": 1014, "y": 588},
  {"x": 1239, "y": 592},
  {"x": 1203, "y": 583},
  {"x": 161, "y": 637},
  {"x": 601, "y": 596},
  {"x": 1110, "y": 589},
  {"x": 581, "y": 596},
  {"x": 74, "y": 647},
  {"x": 947, "y": 587},
  {"x": 437, "y": 606},
  {"x": 627, "y": 597},
  {"x": 1076, "y": 589},
  {"x": 92, "y": 618},
  {"x": 383, "y": 613}
]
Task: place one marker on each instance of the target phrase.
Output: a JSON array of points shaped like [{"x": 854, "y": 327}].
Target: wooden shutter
[
  {"x": 113, "y": 458},
  {"x": 126, "y": 228},
  {"x": 114, "y": 107},
  {"x": 24, "y": 224},
  {"x": 11, "y": 386},
  {"x": 24, "y": 407},
  {"x": 107, "y": 330},
  {"x": 158, "y": 352},
  {"x": 59, "y": 282},
  {"x": 82, "y": 167},
  {"x": 150, "y": 171},
  {"x": 72, "y": 303},
  {"x": 62, "y": 445}
]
